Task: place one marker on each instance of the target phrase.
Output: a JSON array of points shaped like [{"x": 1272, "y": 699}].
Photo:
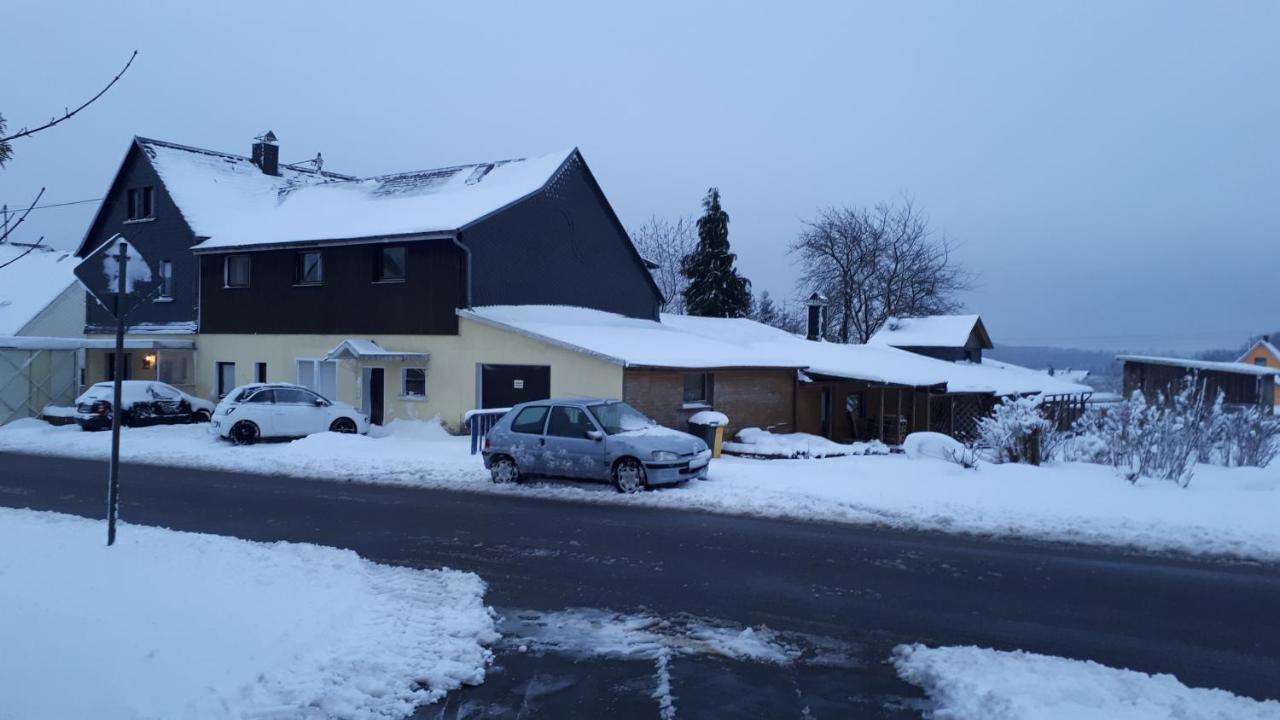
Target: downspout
[{"x": 466, "y": 251}]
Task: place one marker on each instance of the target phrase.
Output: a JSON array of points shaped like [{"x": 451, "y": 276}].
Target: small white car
[{"x": 282, "y": 410}]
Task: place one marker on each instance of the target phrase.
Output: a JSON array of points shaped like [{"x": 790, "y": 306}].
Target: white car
[{"x": 281, "y": 410}]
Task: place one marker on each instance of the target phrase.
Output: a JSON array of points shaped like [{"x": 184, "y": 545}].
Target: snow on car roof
[
  {"x": 231, "y": 202},
  {"x": 30, "y": 279},
  {"x": 931, "y": 331}
]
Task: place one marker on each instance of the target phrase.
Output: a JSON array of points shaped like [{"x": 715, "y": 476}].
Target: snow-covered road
[{"x": 1227, "y": 512}]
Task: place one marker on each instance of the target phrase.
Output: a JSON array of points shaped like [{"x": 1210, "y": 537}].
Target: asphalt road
[{"x": 842, "y": 596}]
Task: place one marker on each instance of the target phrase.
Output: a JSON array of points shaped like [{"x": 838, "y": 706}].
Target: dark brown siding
[
  {"x": 348, "y": 301},
  {"x": 751, "y": 398},
  {"x": 1154, "y": 380}
]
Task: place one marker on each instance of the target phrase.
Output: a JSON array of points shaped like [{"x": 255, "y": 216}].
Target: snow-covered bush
[
  {"x": 1248, "y": 437},
  {"x": 1161, "y": 440},
  {"x": 940, "y": 447},
  {"x": 1018, "y": 432}
]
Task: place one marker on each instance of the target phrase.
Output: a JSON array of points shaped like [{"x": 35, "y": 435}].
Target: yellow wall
[
  {"x": 451, "y": 369},
  {"x": 1260, "y": 351}
]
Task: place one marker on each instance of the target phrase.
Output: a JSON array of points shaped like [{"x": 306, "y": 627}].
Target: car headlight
[
  {"x": 664, "y": 456},
  {"x": 229, "y": 410}
]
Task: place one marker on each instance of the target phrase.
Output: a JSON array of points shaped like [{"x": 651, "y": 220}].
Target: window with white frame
[
  {"x": 413, "y": 383},
  {"x": 141, "y": 203},
  {"x": 166, "y": 280},
  {"x": 310, "y": 268},
  {"x": 319, "y": 375}
]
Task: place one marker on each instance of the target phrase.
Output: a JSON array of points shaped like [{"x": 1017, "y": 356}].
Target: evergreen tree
[
  {"x": 715, "y": 287},
  {"x": 766, "y": 311}
]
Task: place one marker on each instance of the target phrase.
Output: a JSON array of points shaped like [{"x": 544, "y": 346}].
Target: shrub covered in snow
[
  {"x": 1161, "y": 440},
  {"x": 940, "y": 447},
  {"x": 1249, "y": 437},
  {"x": 1018, "y": 432}
]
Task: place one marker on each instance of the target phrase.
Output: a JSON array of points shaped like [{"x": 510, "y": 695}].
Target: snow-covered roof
[
  {"x": 1266, "y": 345},
  {"x": 619, "y": 339},
  {"x": 682, "y": 341},
  {"x": 231, "y": 202},
  {"x": 1067, "y": 374},
  {"x": 369, "y": 350},
  {"x": 1214, "y": 366},
  {"x": 932, "y": 331},
  {"x": 36, "y": 277}
]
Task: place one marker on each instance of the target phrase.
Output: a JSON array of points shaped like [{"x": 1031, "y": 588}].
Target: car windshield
[{"x": 618, "y": 417}]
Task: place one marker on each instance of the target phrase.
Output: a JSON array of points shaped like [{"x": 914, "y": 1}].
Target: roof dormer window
[{"x": 142, "y": 205}]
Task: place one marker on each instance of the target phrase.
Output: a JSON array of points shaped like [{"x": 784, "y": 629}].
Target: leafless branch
[
  {"x": 22, "y": 254},
  {"x": 8, "y": 230},
  {"x": 68, "y": 114}
]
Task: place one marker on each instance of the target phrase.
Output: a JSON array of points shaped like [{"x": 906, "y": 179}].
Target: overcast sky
[{"x": 1110, "y": 171}]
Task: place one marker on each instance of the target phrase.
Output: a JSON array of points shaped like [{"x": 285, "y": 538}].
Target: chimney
[
  {"x": 817, "y": 327},
  {"x": 266, "y": 153}
]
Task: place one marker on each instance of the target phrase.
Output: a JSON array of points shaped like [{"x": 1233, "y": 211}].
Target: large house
[{"x": 352, "y": 286}]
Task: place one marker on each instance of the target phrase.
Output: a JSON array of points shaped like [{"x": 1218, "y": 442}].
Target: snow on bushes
[
  {"x": 754, "y": 442},
  {"x": 939, "y": 447},
  {"x": 1018, "y": 432}
]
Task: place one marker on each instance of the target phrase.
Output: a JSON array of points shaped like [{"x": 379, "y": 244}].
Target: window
[
  {"x": 225, "y": 380},
  {"x": 166, "y": 279},
  {"x": 160, "y": 391},
  {"x": 295, "y": 396},
  {"x": 310, "y": 269},
  {"x": 696, "y": 389},
  {"x": 1260, "y": 361},
  {"x": 617, "y": 417},
  {"x": 413, "y": 382},
  {"x": 319, "y": 375},
  {"x": 260, "y": 372},
  {"x": 391, "y": 262},
  {"x": 128, "y": 366},
  {"x": 571, "y": 422},
  {"x": 174, "y": 366},
  {"x": 236, "y": 271},
  {"x": 530, "y": 420},
  {"x": 142, "y": 203},
  {"x": 262, "y": 396}
]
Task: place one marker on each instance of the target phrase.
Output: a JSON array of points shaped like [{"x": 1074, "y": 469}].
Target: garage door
[{"x": 506, "y": 385}]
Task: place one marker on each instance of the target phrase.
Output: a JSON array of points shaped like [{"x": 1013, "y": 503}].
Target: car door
[
  {"x": 295, "y": 413},
  {"x": 568, "y": 451},
  {"x": 258, "y": 408},
  {"x": 170, "y": 406},
  {"x": 526, "y": 439}
]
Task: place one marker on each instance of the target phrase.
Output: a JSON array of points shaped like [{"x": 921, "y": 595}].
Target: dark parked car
[
  {"x": 593, "y": 440},
  {"x": 146, "y": 402}
]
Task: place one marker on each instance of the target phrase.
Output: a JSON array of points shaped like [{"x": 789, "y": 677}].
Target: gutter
[{"x": 466, "y": 251}]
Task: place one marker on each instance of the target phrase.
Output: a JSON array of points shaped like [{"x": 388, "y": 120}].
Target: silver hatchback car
[{"x": 591, "y": 439}]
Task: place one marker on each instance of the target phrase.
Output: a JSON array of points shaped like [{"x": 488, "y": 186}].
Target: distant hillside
[{"x": 1104, "y": 370}]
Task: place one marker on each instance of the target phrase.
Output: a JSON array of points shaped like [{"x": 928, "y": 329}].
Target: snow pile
[
  {"x": 754, "y": 442},
  {"x": 969, "y": 683},
  {"x": 181, "y": 625},
  {"x": 932, "y": 445},
  {"x": 709, "y": 417}
]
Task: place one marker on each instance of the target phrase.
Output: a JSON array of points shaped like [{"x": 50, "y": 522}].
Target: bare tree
[
  {"x": 665, "y": 243},
  {"x": 6, "y": 152},
  {"x": 874, "y": 264}
]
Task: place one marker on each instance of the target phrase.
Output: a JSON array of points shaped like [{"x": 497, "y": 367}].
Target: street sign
[
  {"x": 120, "y": 279},
  {"x": 99, "y": 273}
]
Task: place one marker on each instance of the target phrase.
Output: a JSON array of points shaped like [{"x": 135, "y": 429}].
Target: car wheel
[
  {"x": 503, "y": 470},
  {"x": 200, "y": 416},
  {"x": 629, "y": 476},
  {"x": 346, "y": 426},
  {"x": 244, "y": 433}
]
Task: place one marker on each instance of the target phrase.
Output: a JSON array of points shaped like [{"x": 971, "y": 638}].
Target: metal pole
[{"x": 113, "y": 482}]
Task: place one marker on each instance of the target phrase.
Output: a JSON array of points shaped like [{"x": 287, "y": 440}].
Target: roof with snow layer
[
  {"x": 1210, "y": 365},
  {"x": 682, "y": 341},
  {"x": 931, "y": 331},
  {"x": 228, "y": 200},
  {"x": 36, "y": 277},
  {"x": 1266, "y": 345}
]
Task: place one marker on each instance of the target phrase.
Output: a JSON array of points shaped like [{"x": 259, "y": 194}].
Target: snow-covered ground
[
  {"x": 969, "y": 683},
  {"x": 1230, "y": 512},
  {"x": 179, "y": 625},
  {"x": 754, "y": 442}
]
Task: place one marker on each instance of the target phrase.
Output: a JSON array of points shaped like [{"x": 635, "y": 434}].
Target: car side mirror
[
  {"x": 595, "y": 435},
  {"x": 320, "y": 402}
]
